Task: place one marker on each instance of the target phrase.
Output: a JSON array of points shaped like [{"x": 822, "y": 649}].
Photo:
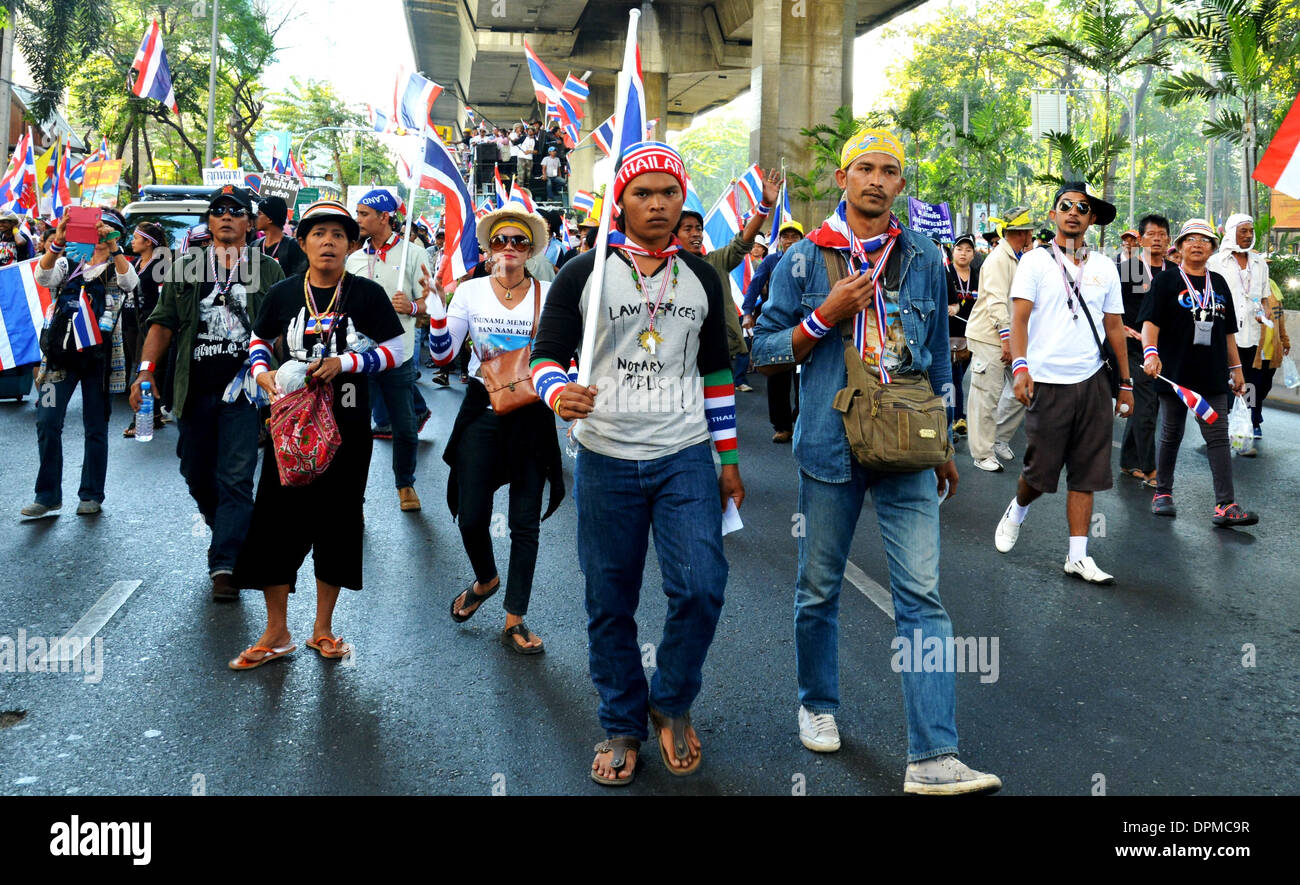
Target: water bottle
[{"x": 144, "y": 417}]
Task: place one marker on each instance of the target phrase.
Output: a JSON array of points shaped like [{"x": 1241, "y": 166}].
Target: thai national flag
[
  {"x": 413, "y": 98},
  {"x": 85, "y": 327},
  {"x": 12, "y": 181},
  {"x": 484, "y": 209},
  {"x": 577, "y": 92},
  {"x": 584, "y": 202},
  {"x": 62, "y": 192},
  {"x": 629, "y": 113},
  {"x": 22, "y": 314},
  {"x": 438, "y": 172},
  {"x": 77, "y": 172},
  {"x": 782, "y": 214},
  {"x": 1195, "y": 402},
  {"x": 693, "y": 201},
  {"x": 545, "y": 84},
  {"x": 24, "y": 193},
  {"x": 603, "y": 135},
  {"x": 521, "y": 196},
  {"x": 503, "y": 195},
  {"x": 741, "y": 275},
  {"x": 152, "y": 78},
  {"x": 723, "y": 221},
  {"x": 751, "y": 185}
]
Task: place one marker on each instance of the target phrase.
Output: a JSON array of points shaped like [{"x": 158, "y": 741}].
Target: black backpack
[{"x": 58, "y": 342}]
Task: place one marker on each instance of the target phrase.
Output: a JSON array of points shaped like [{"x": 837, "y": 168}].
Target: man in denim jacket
[{"x": 902, "y": 272}]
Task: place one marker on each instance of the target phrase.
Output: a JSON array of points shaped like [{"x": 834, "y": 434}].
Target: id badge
[{"x": 1203, "y": 330}]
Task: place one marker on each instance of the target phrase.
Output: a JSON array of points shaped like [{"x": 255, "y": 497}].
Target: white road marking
[
  {"x": 93, "y": 621},
  {"x": 881, "y": 596}
]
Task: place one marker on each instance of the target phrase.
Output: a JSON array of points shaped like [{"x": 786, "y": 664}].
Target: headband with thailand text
[
  {"x": 871, "y": 141},
  {"x": 380, "y": 200},
  {"x": 645, "y": 157}
]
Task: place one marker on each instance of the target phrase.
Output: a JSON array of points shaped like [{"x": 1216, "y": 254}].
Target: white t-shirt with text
[{"x": 475, "y": 311}]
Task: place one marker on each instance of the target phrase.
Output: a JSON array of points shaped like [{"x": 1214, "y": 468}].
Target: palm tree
[
  {"x": 55, "y": 35},
  {"x": 919, "y": 110},
  {"x": 1108, "y": 43},
  {"x": 1243, "y": 42},
  {"x": 825, "y": 141}
]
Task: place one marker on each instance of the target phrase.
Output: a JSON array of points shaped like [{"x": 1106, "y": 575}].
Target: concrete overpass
[{"x": 795, "y": 55}]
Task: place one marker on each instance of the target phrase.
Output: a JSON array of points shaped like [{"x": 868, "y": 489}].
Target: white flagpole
[
  {"x": 410, "y": 215},
  {"x": 607, "y": 211}
]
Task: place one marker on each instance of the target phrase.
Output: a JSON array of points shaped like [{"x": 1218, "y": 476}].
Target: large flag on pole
[
  {"x": 723, "y": 221},
  {"x": 22, "y": 314},
  {"x": 150, "y": 77},
  {"x": 782, "y": 213},
  {"x": 439, "y": 173},
  {"x": 503, "y": 195},
  {"x": 413, "y": 98},
  {"x": 521, "y": 196},
  {"x": 1279, "y": 168},
  {"x": 629, "y": 129},
  {"x": 545, "y": 84}
]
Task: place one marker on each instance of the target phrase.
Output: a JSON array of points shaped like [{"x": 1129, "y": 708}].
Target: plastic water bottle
[{"x": 144, "y": 417}]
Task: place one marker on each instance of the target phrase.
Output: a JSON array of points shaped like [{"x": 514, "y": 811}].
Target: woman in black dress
[{"x": 341, "y": 327}]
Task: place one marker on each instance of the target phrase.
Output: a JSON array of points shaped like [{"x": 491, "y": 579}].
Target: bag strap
[{"x": 835, "y": 270}]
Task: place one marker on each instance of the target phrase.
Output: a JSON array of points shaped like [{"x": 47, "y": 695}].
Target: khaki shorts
[{"x": 1070, "y": 426}]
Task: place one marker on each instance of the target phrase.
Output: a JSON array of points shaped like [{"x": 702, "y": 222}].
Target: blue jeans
[
  {"x": 218, "y": 452},
  {"x": 907, "y": 510},
  {"x": 395, "y": 401},
  {"x": 957, "y": 405},
  {"x": 51, "y": 406},
  {"x": 741, "y": 369},
  {"x": 554, "y": 188},
  {"x": 619, "y": 503}
]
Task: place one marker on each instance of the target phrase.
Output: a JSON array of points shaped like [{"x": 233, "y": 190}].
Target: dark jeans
[
  {"x": 741, "y": 369},
  {"x": 619, "y": 503},
  {"x": 1173, "y": 420},
  {"x": 218, "y": 452},
  {"x": 1258, "y": 382},
  {"x": 379, "y": 409},
  {"x": 957, "y": 405},
  {"x": 395, "y": 388},
  {"x": 778, "y": 401},
  {"x": 477, "y": 453},
  {"x": 51, "y": 407},
  {"x": 1139, "y": 448},
  {"x": 554, "y": 188}
]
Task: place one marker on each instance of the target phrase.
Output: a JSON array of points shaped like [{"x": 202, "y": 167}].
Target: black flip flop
[
  {"x": 619, "y": 746},
  {"x": 520, "y": 630},
  {"x": 474, "y": 598}
]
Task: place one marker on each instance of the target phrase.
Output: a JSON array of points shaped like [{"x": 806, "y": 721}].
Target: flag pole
[
  {"x": 607, "y": 209},
  {"x": 410, "y": 214}
]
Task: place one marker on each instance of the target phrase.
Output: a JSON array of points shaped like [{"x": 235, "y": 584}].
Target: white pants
[{"x": 992, "y": 411}]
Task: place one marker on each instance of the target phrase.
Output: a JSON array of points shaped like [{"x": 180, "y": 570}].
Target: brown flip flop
[{"x": 677, "y": 726}]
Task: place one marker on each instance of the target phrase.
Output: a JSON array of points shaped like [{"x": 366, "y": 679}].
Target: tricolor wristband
[
  {"x": 1019, "y": 365},
  {"x": 55, "y": 247},
  {"x": 1004, "y": 334},
  {"x": 1149, "y": 351},
  {"x": 763, "y": 209},
  {"x": 146, "y": 366},
  {"x": 1128, "y": 387},
  {"x": 814, "y": 326}
]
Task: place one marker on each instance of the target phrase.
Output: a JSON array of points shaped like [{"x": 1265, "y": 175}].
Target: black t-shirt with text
[
  {"x": 1203, "y": 368},
  {"x": 221, "y": 340}
]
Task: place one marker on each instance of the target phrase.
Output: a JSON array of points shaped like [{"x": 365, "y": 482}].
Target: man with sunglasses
[
  {"x": 397, "y": 406},
  {"x": 1059, "y": 296},
  {"x": 209, "y": 304}
]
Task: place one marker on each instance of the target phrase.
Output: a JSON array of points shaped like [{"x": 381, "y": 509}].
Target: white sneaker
[
  {"x": 947, "y": 776},
  {"x": 992, "y": 465},
  {"x": 818, "y": 731},
  {"x": 1007, "y": 533},
  {"x": 1003, "y": 451},
  {"x": 1087, "y": 570}
]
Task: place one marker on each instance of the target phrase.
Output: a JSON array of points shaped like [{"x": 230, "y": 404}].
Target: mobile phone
[{"x": 82, "y": 231}]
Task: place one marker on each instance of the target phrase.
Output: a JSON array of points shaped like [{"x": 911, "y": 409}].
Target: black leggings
[
  {"x": 1258, "y": 382},
  {"x": 478, "y": 452},
  {"x": 1173, "y": 421}
]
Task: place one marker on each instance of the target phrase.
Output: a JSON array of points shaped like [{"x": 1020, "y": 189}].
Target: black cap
[
  {"x": 964, "y": 238},
  {"x": 237, "y": 195},
  {"x": 275, "y": 210},
  {"x": 1104, "y": 212}
]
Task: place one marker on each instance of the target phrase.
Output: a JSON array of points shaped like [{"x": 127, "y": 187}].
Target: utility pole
[
  {"x": 6, "y": 78},
  {"x": 1209, "y": 166},
  {"x": 212, "y": 85}
]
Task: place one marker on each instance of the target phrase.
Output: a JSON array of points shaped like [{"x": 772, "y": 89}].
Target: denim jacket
[{"x": 798, "y": 287}]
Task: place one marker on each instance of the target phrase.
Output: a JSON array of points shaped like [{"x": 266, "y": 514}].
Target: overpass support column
[{"x": 802, "y": 71}]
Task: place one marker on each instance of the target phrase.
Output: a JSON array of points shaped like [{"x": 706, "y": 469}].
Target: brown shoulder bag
[{"x": 507, "y": 376}]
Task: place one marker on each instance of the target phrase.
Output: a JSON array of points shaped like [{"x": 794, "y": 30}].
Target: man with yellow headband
[
  {"x": 993, "y": 414},
  {"x": 892, "y": 301}
]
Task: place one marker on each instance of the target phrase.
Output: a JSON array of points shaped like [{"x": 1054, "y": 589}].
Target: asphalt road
[{"x": 1141, "y": 684}]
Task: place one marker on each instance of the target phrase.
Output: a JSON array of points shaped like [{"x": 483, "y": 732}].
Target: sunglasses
[
  {"x": 1082, "y": 205},
  {"x": 515, "y": 241},
  {"x": 232, "y": 211}
]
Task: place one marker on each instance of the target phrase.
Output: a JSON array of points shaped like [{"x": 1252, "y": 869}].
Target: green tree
[
  {"x": 826, "y": 140},
  {"x": 715, "y": 155},
  {"x": 55, "y": 36},
  {"x": 312, "y": 104}
]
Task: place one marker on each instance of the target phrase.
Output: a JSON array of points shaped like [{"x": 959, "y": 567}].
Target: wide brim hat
[
  {"x": 327, "y": 210},
  {"x": 536, "y": 226},
  {"x": 1016, "y": 218},
  {"x": 1197, "y": 226},
  {"x": 1104, "y": 211}
]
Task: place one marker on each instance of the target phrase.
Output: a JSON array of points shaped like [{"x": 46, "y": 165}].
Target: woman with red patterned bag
[{"x": 322, "y": 326}]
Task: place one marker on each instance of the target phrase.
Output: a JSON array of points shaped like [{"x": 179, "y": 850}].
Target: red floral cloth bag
[{"x": 304, "y": 433}]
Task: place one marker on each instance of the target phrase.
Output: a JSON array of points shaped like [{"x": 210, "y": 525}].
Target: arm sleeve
[
  {"x": 1114, "y": 301},
  {"x": 758, "y": 282},
  {"x": 559, "y": 331},
  {"x": 386, "y": 355},
  {"x": 446, "y": 334},
  {"x": 773, "y": 334},
  {"x": 1023, "y": 286},
  {"x": 166, "y": 313},
  {"x": 734, "y": 253},
  {"x": 1001, "y": 289},
  {"x": 129, "y": 280}
]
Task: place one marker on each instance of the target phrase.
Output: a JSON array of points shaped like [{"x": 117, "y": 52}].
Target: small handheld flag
[{"x": 1194, "y": 401}]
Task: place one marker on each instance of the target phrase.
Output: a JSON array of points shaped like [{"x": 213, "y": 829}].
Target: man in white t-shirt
[
  {"x": 393, "y": 394},
  {"x": 551, "y": 166},
  {"x": 1063, "y": 298},
  {"x": 523, "y": 152}
]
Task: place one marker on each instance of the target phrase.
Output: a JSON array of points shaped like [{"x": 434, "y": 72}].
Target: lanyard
[
  {"x": 223, "y": 287},
  {"x": 1072, "y": 288},
  {"x": 858, "y": 250},
  {"x": 1201, "y": 301},
  {"x": 963, "y": 288}
]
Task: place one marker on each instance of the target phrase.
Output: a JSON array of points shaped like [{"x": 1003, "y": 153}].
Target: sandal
[
  {"x": 521, "y": 630},
  {"x": 244, "y": 662},
  {"x": 129, "y": 433},
  {"x": 677, "y": 726},
  {"x": 475, "y": 598},
  {"x": 337, "y": 647},
  {"x": 619, "y": 747}
]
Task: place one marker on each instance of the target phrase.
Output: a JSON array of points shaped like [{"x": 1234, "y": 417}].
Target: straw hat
[{"x": 529, "y": 221}]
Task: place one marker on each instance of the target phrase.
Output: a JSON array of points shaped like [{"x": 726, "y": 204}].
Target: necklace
[
  {"x": 319, "y": 322},
  {"x": 509, "y": 293},
  {"x": 650, "y": 339}
]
